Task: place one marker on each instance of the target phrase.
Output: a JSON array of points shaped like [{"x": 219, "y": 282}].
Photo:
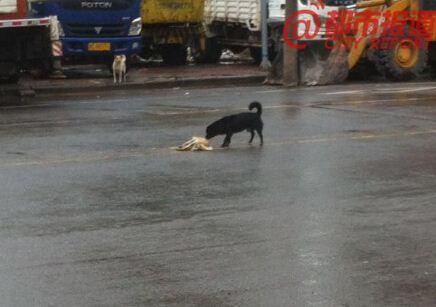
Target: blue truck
[{"x": 95, "y": 30}]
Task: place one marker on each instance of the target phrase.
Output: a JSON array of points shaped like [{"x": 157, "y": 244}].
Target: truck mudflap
[{"x": 56, "y": 47}]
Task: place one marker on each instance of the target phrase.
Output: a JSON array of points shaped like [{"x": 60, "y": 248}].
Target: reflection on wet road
[{"x": 337, "y": 209}]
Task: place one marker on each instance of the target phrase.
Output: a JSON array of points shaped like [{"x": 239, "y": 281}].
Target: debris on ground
[
  {"x": 228, "y": 55},
  {"x": 336, "y": 67},
  {"x": 275, "y": 73},
  {"x": 320, "y": 66},
  {"x": 317, "y": 66}
]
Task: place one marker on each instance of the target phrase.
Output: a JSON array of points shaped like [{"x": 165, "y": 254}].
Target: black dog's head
[
  {"x": 211, "y": 131},
  {"x": 217, "y": 128}
]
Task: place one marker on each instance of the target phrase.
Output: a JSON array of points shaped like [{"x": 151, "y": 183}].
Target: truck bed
[{"x": 243, "y": 12}]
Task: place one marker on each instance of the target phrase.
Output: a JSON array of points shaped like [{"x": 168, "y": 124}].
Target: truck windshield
[{"x": 102, "y": 5}]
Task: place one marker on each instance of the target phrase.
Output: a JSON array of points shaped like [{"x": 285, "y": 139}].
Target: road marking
[
  {"x": 39, "y": 105},
  {"x": 223, "y": 110},
  {"x": 344, "y": 92},
  {"x": 406, "y": 90},
  {"x": 159, "y": 113},
  {"x": 154, "y": 98},
  {"x": 382, "y": 90},
  {"x": 45, "y": 122},
  {"x": 372, "y": 101},
  {"x": 169, "y": 113},
  {"x": 359, "y": 136},
  {"x": 129, "y": 155},
  {"x": 286, "y": 106},
  {"x": 275, "y": 91}
]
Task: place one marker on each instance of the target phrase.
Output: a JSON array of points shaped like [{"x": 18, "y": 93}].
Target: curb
[{"x": 164, "y": 84}]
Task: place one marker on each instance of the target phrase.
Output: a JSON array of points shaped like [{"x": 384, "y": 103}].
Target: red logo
[
  {"x": 349, "y": 28},
  {"x": 295, "y": 21}
]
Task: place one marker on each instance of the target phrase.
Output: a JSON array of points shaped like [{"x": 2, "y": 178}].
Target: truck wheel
[
  {"x": 174, "y": 54},
  {"x": 212, "y": 52},
  {"x": 401, "y": 58}
]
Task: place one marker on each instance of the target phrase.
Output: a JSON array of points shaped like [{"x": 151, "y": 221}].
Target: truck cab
[{"x": 93, "y": 29}]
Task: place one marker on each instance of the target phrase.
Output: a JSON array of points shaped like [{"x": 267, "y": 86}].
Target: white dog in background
[{"x": 119, "y": 68}]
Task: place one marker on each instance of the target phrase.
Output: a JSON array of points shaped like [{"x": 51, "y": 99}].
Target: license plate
[{"x": 99, "y": 47}]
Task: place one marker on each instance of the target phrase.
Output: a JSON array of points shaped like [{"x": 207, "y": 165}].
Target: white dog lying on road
[
  {"x": 194, "y": 144},
  {"x": 119, "y": 68}
]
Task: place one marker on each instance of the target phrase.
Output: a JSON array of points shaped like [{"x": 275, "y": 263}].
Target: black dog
[{"x": 236, "y": 123}]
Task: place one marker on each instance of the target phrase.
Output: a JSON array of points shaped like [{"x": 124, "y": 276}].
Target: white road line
[
  {"x": 205, "y": 111},
  {"x": 40, "y": 105},
  {"x": 343, "y": 92},
  {"x": 406, "y": 90},
  {"x": 382, "y": 90},
  {"x": 169, "y": 98},
  {"x": 379, "y": 100},
  {"x": 274, "y": 91}
]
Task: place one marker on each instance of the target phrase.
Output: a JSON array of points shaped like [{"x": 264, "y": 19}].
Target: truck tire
[
  {"x": 404, "y": 58},
  {"x": 212, "y": 52},
  {"x": 174, "y": 54}
]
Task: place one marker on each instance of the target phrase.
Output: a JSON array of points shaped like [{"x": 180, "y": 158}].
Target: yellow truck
[{"x": 169, "y": 26}]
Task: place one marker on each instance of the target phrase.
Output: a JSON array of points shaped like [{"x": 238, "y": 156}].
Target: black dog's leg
[
  {"x": 227, "y": 140},
  {"x": 259, "y": 132},
  {"x": 252, "y": 136}
]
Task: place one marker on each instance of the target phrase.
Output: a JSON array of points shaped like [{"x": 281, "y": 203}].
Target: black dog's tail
[{"x": 256, "y": 105}]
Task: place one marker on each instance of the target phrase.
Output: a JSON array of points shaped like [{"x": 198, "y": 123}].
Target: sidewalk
[{"x": 92, "y": 78}]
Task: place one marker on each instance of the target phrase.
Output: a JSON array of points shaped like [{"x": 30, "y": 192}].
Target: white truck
[
  {"x": 236, "y": 25},
  {"x": 26, "y": 43}
]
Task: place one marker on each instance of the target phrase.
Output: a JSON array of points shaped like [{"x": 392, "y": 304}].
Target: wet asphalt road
[{"x": 337, "y": 209}]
